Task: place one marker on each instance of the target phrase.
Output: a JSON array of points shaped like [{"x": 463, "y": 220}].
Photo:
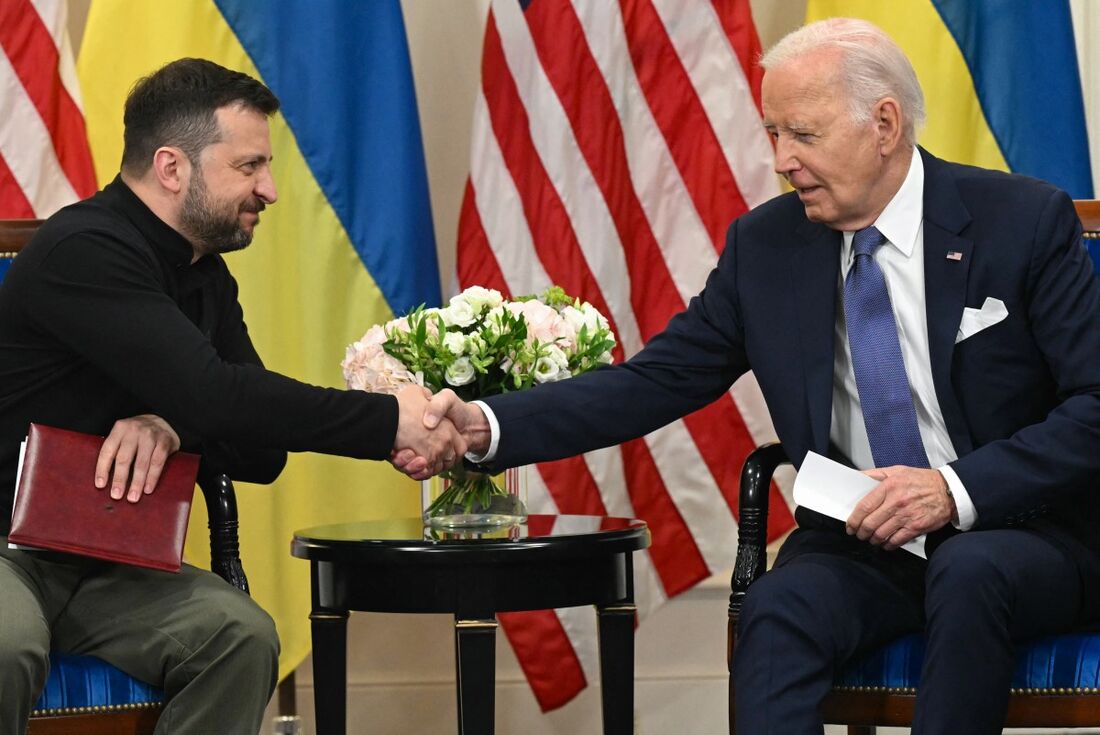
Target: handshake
[{"x": 435, "y": 432}]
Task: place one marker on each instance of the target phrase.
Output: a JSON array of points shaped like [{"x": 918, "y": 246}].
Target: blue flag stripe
[
  {"x": 1024, "y": 66},
  {"x": 343, "y": 74}
]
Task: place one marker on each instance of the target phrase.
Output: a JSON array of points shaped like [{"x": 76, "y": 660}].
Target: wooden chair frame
[{"x": 864, "y": 708}]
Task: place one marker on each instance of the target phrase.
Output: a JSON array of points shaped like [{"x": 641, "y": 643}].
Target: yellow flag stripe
[
  {"x": 304, "y": 292},
  {"x": 956, "y": 129}
]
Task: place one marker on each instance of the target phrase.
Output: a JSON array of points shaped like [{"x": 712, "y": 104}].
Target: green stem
[{"x": 466, "y": 490}]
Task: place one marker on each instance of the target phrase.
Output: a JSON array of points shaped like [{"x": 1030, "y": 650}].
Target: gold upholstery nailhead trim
[
  {"x": 98, "y": 709},
  {"x": 1061, "y": 692},
  {"x": 877, "y": 690},
  {"x": 6, "y": 255}
]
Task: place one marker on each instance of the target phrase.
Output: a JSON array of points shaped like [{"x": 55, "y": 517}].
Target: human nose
[
  {"x": 785, "y": 159},
  {"x": 265, "y": 187}
]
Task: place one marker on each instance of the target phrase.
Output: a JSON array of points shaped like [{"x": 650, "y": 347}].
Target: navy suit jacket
[{"x": 1021, "y": 399}]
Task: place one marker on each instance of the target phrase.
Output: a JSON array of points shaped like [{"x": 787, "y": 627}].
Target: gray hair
[{"x": 872, "y": 67}]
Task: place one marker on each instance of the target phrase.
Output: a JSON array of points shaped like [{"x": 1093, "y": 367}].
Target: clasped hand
[
  {"x": 443, "y": 418},
  {"x": 907, "y": 503},
  {"x": 420, "y": 449}
]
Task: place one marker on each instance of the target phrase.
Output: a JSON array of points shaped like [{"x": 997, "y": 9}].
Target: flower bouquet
[{"x": 480, "y": 345}]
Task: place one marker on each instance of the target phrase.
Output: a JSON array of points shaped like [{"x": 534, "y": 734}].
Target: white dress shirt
[
  {"x": 901, "y": 259},
  {"x": 902, "y": 262}
]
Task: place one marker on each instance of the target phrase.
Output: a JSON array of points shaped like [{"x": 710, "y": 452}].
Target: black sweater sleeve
[{"x": 107, "y": 300}]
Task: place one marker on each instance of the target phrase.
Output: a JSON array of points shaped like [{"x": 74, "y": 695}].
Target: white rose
[
  {"x": 574, "y": 317},
  {"x": 458, "y": 314},
  {"x": 481, "y": 298},
  {"x": 461, "y": 299},
  {"x": 546, "y": 370},
  {"x": 455, "y": 342},
  {"x": 605, "y": 358},
  {"x": 556, "y": 355},
  {"x": 593, "y": 319},
  {"x": 549, "y": 369},
  {"x": 460, "y": 372}
]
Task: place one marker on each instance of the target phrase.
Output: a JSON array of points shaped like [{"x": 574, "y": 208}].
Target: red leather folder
[{"x": 58, "y": 507}]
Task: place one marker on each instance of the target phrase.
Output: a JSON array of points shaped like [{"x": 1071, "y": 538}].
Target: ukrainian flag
[
  {"x": 1001, "y": 81},
  {"x": 349, "y": 243}
]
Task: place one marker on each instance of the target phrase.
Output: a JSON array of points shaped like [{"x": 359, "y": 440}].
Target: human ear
[
  {"x": 887, "y": 117},
  {"x": 171, "y": 168}
]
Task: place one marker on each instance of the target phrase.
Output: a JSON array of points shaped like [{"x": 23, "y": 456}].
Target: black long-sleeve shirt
[{"x": 103, "y": 316}]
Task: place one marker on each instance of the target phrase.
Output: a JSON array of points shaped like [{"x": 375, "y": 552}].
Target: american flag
[
  {"x": 613, "y": 144},
  {"x": 45, "y": 162}
]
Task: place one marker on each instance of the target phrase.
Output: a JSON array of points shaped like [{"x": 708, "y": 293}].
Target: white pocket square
[{"x": 975, "y": 320}]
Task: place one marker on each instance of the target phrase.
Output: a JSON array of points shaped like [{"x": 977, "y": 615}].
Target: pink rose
[
  {"x": 544, "y": 323},
  {"x": 367, "y": 366}
]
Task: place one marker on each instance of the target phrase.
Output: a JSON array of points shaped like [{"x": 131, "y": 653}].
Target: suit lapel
[
  {"x": 947, "y": 258},
  {"x": 815, "y": 270}
]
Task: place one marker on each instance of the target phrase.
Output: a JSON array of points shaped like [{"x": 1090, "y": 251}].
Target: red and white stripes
[
  {"x": 45, "y": 162},
  {"x": 613, "y": 144}
]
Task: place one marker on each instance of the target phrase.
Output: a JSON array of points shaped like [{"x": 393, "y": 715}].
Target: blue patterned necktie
[{"x": 884, "y": 392}]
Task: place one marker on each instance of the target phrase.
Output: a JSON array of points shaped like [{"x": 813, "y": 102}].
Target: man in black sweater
[{"x": 121, "y": 318}]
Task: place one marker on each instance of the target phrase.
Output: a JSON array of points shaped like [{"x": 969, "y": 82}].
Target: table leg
[
  {"x": 330, "y": 670},
  {"x": 475, "y": 661},
  {"x": 616, "y": 627}
]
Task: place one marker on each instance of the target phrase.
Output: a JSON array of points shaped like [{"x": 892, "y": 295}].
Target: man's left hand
[
  {"x": 908, "y": 502},
  {"x": 135, "y": 453}
]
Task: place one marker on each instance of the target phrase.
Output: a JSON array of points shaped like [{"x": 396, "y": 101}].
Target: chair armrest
[
  {"x": 752, "y": 521},
  {"x": 221, "y": 509}
]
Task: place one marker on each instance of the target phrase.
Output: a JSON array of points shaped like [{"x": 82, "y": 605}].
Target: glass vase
[{"x": 463, "y": 498}]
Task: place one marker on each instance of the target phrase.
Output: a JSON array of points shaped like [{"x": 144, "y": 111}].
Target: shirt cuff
[
  {"x": 494, "y": 435},
  {"x": 968, "y": 514}
]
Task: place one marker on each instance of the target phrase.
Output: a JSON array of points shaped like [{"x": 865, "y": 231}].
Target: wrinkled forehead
[{"x": 803, "y": 83}]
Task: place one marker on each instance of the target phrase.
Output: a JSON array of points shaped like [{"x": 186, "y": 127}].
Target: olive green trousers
[{"x": 211, "y": 649}]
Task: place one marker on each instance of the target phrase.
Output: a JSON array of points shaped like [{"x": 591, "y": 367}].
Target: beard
[{"x": 214, "y": 226}]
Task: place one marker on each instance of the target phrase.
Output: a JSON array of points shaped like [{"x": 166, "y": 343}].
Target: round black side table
[{"x": 402, "y": 567}]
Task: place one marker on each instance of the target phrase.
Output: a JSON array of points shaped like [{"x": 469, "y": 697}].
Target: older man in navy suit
[{"x": 935, "y": 325}]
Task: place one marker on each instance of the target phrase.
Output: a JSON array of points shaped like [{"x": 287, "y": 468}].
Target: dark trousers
[{"x": 832, "y": 598}]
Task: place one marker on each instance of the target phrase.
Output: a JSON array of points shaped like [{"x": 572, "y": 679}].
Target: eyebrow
[{"x": 794, "y": 127}]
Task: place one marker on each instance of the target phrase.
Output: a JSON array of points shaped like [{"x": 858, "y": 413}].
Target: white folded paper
[
  {"x": 18, "y": 474},
  {"x": 833, "y": 490}
]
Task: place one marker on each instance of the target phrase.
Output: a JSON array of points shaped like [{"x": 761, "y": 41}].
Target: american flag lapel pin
[{"x": 954, "y": 255}]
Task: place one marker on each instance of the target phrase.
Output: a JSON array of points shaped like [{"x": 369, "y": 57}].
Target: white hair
[{"x": 872, "y": 67}]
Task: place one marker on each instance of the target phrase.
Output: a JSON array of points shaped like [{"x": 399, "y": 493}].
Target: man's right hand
[
  {"x": 446, "y": 408},
  {"x": 137, "y": 448},
  {"x": 424, "y": 449}
]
